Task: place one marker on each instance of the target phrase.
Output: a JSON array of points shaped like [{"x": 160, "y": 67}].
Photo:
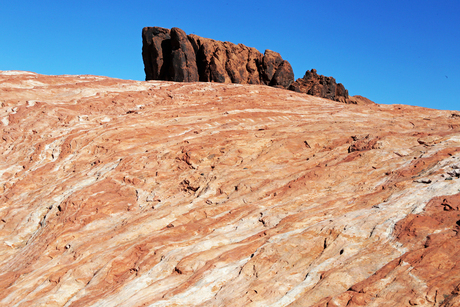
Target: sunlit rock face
[
  {"x": 128, "y": 193},
  {"x": 173, "y": 55}
]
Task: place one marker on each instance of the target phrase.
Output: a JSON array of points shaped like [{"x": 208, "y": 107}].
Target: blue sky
[{"x": 392, "y": 52}]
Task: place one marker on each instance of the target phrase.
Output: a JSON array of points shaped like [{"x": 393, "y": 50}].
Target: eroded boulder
[{"x": 320, "y": 86}]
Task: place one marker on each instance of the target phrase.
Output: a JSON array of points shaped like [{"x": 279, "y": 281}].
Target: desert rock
[
  {"x": 215, "y": 61},
  {"x": 183, "y": 60},
  {"x": 159, "y": 193},
  {"x": 172, "y": 55},
  {"x": 320, "y": 86},
  {"x": 155, "y": 53}
]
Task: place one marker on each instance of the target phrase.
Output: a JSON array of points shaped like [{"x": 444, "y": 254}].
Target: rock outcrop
[
  {"x": 320, "y": 86},
  {"x": 174, "y": 56},
  {"x": 155, "y": 53},
  {"x": 129, "y": 193}
]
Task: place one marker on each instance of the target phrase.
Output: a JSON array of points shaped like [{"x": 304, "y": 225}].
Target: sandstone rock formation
[
  {"x": 183, "y": 59},
  {"x": 128, "y": 193},
  {"x": 172, "y": 55},
  {"x": 320, "y": 86},
  {"x": 358, "y": 99},
  {"x": 153, "y": 54}
]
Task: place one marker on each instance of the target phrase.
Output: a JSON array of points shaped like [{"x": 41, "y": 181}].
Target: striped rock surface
[{"x": 129, "y": 193}]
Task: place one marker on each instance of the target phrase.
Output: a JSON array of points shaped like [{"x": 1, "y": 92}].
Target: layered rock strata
[
  {"x": 128, "y": 193},
  {"x": 174, "y": 56}
]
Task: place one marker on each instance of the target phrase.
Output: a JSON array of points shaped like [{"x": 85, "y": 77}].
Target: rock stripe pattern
[{"x": 159, "y": 193}]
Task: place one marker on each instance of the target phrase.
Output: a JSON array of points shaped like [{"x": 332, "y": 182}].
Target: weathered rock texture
[
  {"x": 320, "y": 86},
  {"x": 126, "y": 193},
  {"x": 172, "y": 55}
]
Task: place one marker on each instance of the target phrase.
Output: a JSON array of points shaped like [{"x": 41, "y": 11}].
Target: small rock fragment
[
  {"x": 454, "y": 173},
  {"x": 426, "y": 181}
]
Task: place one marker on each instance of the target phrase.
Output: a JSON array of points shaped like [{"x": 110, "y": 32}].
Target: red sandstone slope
[{"x": 126, "y": 193}]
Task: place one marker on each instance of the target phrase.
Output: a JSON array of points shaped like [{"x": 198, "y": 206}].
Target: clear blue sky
[{"x": 393, "y": 52}]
